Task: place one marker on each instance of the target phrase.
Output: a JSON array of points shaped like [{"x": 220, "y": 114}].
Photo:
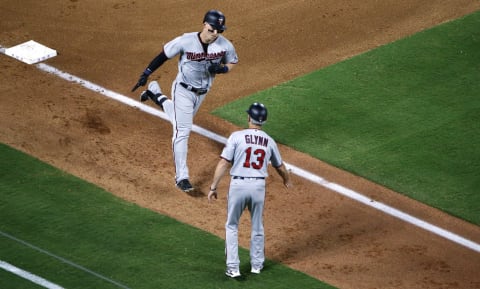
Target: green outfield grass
[
  {"x": 48, "y": 216},
  {"x": 405, "y": 115}
]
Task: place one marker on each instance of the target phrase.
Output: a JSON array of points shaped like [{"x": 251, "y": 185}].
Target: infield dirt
[{"x": 128, "y": 152}]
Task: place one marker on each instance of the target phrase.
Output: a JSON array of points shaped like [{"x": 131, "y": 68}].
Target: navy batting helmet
[
  {"x": 258, "y": 113},
  {"x": 216, "y": 19}
]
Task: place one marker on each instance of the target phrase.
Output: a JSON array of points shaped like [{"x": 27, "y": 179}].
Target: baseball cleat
[
  {"x": 154, "y": 92},
  {"x": 256, "y": 270},
  {"x": 144, "y": 96},
  {"x": 232, "y": 273},
  {"x": 185, "y": 186}
]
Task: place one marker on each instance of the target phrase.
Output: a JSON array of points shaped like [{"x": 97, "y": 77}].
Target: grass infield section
[
  {"x": 79, "y": 222},
  {"x": 405, "y": 115}
]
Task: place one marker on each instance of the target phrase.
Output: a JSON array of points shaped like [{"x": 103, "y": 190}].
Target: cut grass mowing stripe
[
  {"x": 90, "y": 227},
  {"x": 68, "y": 262},
  {"x": 29, "y": 276}
]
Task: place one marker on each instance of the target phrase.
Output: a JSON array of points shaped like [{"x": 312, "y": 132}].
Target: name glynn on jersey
[{"x": 256, "y": 139}]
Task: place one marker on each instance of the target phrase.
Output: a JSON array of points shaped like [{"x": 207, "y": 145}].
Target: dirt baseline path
[{"x": 127, "y": 152}]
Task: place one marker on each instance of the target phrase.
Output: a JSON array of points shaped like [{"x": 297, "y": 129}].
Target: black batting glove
[
  {"x": 216, "y": 68},
  {"x": 143, "y": 79}
]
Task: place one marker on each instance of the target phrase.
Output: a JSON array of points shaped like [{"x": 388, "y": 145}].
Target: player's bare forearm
[
  {"x": 220, "y": 171},
  {"x": 282, "y": 171}
]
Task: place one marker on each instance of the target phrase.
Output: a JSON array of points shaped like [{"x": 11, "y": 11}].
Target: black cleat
[
  {"x": 154, "y": 92},
  {"x": 185, "y": 186},
  {"x": 144, "y": 96}
]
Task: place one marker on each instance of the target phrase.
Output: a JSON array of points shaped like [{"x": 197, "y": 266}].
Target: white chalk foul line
[
  {"x": 296, "y": 170},
  {"x": 29, "y": 276},
  {"x": 386, "y": 209}
]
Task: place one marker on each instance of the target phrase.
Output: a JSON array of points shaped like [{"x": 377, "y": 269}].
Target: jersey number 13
[{"x": 254, "y": 159}]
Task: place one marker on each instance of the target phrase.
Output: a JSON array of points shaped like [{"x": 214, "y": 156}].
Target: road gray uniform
[
  {"x": 201, "y": 56},
  {"x": 192, "y": 71},
  {"x": 249, "y": 151}
]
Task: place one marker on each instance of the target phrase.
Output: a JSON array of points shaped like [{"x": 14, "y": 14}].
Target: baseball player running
[
  {"x": 248, "y": 151},
  {"x": 202, "y": 55}
]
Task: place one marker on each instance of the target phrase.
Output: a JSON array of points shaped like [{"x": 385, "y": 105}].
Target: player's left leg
[
  {"x": 236, "y": 202},
  {"x": 257, "y": 238},
  {"x": 183, "y": 122}
]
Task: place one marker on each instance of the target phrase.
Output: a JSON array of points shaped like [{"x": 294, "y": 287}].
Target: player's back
[{"x": 253, "y": 150}]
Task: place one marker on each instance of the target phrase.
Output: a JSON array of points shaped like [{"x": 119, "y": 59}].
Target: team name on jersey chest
[
  {"x": 256, "y": 139},
  {"x": 197, "y": 56}
]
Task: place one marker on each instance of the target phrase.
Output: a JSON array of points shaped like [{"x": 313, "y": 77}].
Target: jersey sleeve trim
[
  {"x": 281, "y": 164},
  {"x": 226, "y": 159}
]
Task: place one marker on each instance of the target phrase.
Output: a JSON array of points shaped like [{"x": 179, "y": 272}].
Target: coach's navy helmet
[
  {"x": 216, "y": 19},
  {"x": 258, "y": 113}
]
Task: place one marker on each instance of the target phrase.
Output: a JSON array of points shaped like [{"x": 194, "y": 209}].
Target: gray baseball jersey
[
  {"x": 194, "y": 61},
  {"x": 249, "y": 151}
]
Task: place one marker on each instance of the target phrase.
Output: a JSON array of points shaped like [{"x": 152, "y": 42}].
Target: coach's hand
[{"x": 212, "y": 194}]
